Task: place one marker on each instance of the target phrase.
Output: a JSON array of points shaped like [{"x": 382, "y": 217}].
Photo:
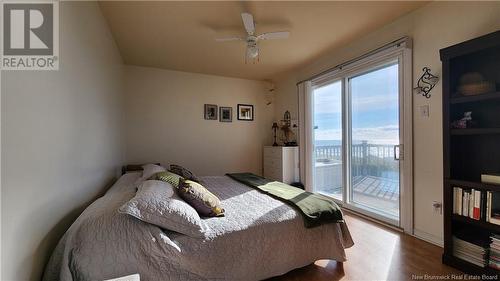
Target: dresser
[{"x": 281, "y": 163}]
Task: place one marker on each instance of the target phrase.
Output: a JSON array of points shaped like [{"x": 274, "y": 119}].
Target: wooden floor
[{"x": 379, "y": 253}]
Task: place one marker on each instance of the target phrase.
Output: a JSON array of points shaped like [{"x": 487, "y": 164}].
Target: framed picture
[
  {"x": 245, "y": 112},
  {"x": 210, "y": 112},
  {"x": 226, "y": 114}
]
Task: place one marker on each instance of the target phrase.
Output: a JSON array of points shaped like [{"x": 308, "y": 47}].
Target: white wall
[
  {"x": 164, "y": 117},
  {"x": 432, "y": 27},
  {"x": 61, "y": 139}
]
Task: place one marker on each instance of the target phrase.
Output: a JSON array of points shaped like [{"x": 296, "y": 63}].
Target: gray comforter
[{"x": 259, "y": 237}]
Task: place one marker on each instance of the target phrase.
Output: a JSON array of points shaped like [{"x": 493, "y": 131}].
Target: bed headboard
[{"x": 134, "y": 168}]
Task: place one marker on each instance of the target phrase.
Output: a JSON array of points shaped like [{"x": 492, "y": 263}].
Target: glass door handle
[
  {"x": 398, "y": 152},
  {"x": 315, "y": 127}
]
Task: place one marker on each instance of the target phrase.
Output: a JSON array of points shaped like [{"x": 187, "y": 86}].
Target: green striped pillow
[{"x": 167, "y": 177}]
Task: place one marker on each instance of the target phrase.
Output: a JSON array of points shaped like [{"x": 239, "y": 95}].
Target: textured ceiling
[{"x": 180, "y": 35}]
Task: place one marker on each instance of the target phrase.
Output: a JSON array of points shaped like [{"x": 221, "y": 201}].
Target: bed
[{"x": 259, "y": 237}]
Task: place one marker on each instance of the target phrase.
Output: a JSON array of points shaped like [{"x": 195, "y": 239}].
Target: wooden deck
[
  {"x": 381, "y": 188},
  {"x": 376, "y": 192}
]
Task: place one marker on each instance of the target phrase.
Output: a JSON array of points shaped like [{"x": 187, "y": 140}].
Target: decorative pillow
[
  {"x": 159, "y": 205},
  {"x": 202, "y": 200},
  {"x": 183, "y": 172},
  {"x": 149, "y": 170},
  {"x": 167, "y": 176},
  {"x": 157, "y": 186}
]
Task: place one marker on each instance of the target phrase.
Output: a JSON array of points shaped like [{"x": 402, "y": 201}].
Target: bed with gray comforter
[{"x": 259, "y": 237}]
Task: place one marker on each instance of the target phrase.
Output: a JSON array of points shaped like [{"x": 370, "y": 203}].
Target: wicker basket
[{"x": 476, "y": 88}]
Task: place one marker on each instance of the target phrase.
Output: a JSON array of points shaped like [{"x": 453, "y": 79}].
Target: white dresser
[{"x": 281, "y": 163}]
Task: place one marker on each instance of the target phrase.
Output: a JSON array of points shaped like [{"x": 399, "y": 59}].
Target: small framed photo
[
  {"x": 245, "y": 112},
  {"x": 226, "y": 114},
  {"x": 210, "y": 112}
]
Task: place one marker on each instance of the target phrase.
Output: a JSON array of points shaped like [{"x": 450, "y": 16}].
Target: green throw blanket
[{"x": 315, "y": 208}]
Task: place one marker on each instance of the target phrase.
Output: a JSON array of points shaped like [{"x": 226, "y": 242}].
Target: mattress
[{"x": 259, "y": 237}]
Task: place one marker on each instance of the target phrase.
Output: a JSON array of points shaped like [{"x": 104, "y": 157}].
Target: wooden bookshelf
[
  {"x": 468, "y": 153},
  {"x": 475, "y": 131},
  {"x": 476, "y": 223},
  {"x": 467, "y": 266},
  {"x": 484, "y": 97},
  {"x": 475, "y": 185}
]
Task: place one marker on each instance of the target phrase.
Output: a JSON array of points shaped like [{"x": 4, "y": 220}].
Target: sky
[{"x": 374, "y": 108}]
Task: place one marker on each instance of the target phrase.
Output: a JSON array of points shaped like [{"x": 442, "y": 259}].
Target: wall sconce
[
  {"x": 426, "y": 82},
  {"x": 270, "y": 93}
]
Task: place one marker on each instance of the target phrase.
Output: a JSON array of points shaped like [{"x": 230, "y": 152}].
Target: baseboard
[{"x": 438, "y": 241}]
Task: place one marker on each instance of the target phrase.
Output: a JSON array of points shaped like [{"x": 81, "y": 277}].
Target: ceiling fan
[{"x": 252, "y": 52}]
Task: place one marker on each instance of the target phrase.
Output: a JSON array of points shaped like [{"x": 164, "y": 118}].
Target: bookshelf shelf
[
  {"x": 475, "y": 131},
  {"x": 469, "y": 153},
  {"x": 483, "y": 97},
  {"x": 479, "y": 223},
  {"x": 475, "y": 185}
]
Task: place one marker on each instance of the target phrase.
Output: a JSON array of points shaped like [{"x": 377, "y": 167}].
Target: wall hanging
[
  {"x": 426, "y": 82},
  {"x": 226, "y": 114},
  {"x": 245, "y": 112},
  {"x": 210, "y": 112}
]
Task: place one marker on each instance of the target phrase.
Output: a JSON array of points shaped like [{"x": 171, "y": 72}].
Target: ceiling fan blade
[
  {"x": 248, "y": 22},
  {"x": 274, "y": 35},
  {"x": 228, "y": 39}
]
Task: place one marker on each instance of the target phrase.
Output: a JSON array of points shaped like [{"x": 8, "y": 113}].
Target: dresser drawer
[
  {"x": 273, "y": 174},
  {"x": 273, "y": 152},
  {"x": 275, "y": 162},
  {"x": 268, "y": 168},
  {"x": 280, "y": 163}
]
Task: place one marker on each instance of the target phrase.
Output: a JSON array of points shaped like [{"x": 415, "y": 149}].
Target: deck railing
[{"x": 367, "y": 159}]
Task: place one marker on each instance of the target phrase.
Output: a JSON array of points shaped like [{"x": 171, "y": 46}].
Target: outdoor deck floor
[
  {"x": 382, "y": 188},
  {"x": 380, "y": 193}
]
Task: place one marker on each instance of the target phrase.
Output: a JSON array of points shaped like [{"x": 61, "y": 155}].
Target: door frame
[{"x": 402, "y": 53}]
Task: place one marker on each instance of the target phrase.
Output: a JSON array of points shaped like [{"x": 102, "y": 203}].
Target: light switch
[{"x": 424, "y": 111}]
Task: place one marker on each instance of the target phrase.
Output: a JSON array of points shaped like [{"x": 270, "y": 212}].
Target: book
[
  {"x": 459, "y": 200},
  {"x": 483, "y": 205},
  {"x": 494, "y": 211},
  {"x": 455, "y": 192},
  {"x": 471, "y": 203},
  {"x": 465, "y": 203},
  {"x": 488, "y": 206},
  {"x": 490, "y": 178},
  {"x": 476, "y": 210}
]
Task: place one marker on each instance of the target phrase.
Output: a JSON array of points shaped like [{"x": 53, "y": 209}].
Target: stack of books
[
  {"x": 469, "y": 202},
  {"x": 477, "y": 205},
  {"x": 490, "y": 178},
  {"x": 494, "y": 261},
  {"x": 470, "y": 252}
]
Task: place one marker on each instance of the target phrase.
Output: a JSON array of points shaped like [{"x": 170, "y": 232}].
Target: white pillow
[
  {"x": 159, "y": 205},
  {"x": 148, "y": 171},
  {"x": 156, "y": 186}
]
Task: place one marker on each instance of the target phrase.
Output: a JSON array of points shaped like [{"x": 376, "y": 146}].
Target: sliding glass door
[
  {"x": 374, "y": 140},
  {"x": 357, "y": 137}
]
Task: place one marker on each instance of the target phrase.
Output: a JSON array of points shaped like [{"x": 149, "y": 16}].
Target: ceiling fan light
[{"x": 252, "y": 52}]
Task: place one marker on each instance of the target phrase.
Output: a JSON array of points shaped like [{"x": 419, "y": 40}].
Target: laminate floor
[{"x": 379, "y": 253}]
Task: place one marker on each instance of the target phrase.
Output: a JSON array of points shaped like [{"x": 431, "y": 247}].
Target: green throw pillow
[
  {"x": 202, "y": 200},
  {"x": 168, "y": 177}
]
